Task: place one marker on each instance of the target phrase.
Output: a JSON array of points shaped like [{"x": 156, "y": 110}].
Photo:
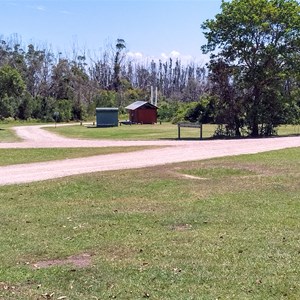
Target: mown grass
[
  {"x": 288, "y": 130},
  {"x": 30, "y": 155},
  {"x": 134, "y": 132},
  {"x": 149, "y": 132},
  {"x": 232, "y": 233},
  {"x": 7, "y": 134}
]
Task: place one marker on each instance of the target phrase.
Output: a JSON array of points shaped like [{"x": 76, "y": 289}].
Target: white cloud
[
  {"x": 174, "y": 55},
  {"x": 164, "y": 56},
  {"x": 135, "y": 55}
]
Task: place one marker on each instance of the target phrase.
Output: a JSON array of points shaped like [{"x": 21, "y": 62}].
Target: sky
[{"x": 152, "y": 29}]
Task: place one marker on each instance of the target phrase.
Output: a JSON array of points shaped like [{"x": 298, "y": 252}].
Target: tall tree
[
  {"x": 11, "y": 82},
  {"x": 120, "y": 46},
  {"x": 259, "y": 38},
  {"x": 11, "y": 88}
]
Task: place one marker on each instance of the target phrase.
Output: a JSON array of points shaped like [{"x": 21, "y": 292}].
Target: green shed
[{"x": 107, "y": 116}]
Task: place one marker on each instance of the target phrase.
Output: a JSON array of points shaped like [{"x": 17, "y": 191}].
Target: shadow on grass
[{"x": 229, "y": 137}]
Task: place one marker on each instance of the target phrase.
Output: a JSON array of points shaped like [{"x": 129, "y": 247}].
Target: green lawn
[
  {"x": 7, "y": 134},
  {"x": 149, "y": 132},
  {"x": 134, "y": 132},
  {"x": 19, "y": 156},
  {"x": 229, "y": 232},
  {"x": 289, "y": 130}
]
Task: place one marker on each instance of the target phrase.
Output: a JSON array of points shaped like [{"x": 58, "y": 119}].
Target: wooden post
[
  {"x": 178, "y": 125},
  {"x": 201, "y": 130}
]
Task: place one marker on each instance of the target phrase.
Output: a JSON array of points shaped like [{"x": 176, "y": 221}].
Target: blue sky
[{"x": 151, "y": 28}]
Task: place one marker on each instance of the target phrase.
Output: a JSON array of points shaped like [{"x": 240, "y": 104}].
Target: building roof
[
  {"x": 107, "y": 109},
  {"x": 137, "y": 104}
]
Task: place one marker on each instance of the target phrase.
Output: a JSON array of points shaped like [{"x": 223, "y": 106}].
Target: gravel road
[{"x": 173, "y": 151}]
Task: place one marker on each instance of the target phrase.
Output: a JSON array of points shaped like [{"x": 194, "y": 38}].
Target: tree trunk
[
  {"x": 254, "y": 132},
  {"x": 254, "y": 121}
]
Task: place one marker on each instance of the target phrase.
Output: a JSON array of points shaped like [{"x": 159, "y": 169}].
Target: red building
[{"x": 142, "y": 112}]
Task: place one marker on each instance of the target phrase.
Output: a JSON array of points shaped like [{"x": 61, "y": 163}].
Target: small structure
[
  {"x": 107, "y": 116},
  {"x": 190, "y": 125},
  {"x": 142, "y": 112}
]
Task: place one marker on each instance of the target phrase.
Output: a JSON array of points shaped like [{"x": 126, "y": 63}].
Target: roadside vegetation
[
  {"x": 7, "y": 134},
  {"x": 231, "y": 231}
]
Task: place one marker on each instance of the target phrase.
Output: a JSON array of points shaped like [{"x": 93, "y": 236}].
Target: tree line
[
  {"x": 249, "y": 87},
  {"x": 35, "y": 82}
]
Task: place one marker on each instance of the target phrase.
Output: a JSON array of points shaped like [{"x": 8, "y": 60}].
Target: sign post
[{"x": 55, "y": 116}]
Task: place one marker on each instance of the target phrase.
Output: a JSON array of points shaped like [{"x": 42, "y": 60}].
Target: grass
[
  {"x": 289, "y": 130},
  {"x": 149, "y": 132},
  {"x": 7, "y": 134},
  {"x": 134, "y": 132},
  {"x": 19, "y": 156},
  {"x": 232, "y": 233}
]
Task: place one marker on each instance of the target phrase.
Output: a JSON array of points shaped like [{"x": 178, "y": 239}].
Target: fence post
[{"x": 201, "y": 131}]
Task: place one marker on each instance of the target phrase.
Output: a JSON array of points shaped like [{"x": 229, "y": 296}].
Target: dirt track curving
[{"x": 174, "y": 151}]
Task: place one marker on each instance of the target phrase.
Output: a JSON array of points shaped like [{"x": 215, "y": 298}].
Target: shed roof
[
  {"x": 138, "y": 104},
  {"x": 107, "y": 109}
]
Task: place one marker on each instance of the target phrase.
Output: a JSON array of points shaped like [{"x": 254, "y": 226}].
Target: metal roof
[
  {"x": 138, "y": 104},
  {"x": 107, "y": 109}
]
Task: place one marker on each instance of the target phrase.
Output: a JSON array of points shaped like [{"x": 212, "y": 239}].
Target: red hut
[{"x": 142, "y": 112}]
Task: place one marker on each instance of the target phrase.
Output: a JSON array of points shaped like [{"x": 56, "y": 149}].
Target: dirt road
[{"x": 174, "y": 151}]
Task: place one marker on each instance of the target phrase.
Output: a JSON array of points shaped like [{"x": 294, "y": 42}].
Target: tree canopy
[
  {"x": 74, "y": 86},
  {"x": 258, "y": 43}
]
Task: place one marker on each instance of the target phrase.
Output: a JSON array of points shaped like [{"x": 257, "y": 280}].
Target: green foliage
[
  {"x": 105, "y": 99},
  {"x": 64, "y": 108},
  {"x": 46, "y": 108},
  {"x": 11, "y": 82},
  {"x": 7, "y": 107},
  {"x": 132, "y": 95},
  {"x": 79, "y": 111},
  {"x": 200, "y": 111},
  {"x": 120, "y": 46},
  {"x": 11, "y": 88},
  {"x": 167, "y": 111},
  {"x": 258, "y": 43},
  {"x": 25, "y": 108}
]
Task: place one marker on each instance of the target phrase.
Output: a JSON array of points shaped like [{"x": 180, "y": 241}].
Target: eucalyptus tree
[
  {"x": 228, "y": 108},
  {"x": 260, "y": 39},
  {"x": 100, "y": 71},
  {"x": 120, "y": 46},
  {"x": 60, "y": 80},
  {"x": 38, "y": 67}
]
